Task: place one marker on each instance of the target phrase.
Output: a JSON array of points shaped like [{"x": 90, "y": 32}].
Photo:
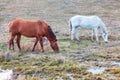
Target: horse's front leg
[
  {"x": 41, "y": 44},
  {"x": 36, "y": 41},
  {"x": 92, "y": 35},
  {"x": 18, "y": 41},
  {"x": 96, "y": 33}
]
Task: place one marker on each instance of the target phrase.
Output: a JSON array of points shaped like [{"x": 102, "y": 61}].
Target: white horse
[{"x": 87, "y": 22}]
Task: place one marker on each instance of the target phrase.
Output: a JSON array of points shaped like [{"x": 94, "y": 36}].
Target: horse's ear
[{"x": 49, "y": 27}]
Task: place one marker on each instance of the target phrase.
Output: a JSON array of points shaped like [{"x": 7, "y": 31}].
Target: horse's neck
[
  {"x": 51, "y": 36},
  {"x": 51, "y": 39},
  {"x": 103, "y": 28}
]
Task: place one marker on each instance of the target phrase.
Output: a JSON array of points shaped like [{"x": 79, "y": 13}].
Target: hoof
[
  {"x": 32, "y": 50},
  {"x": 106, "y": 41},
  {"x": 78, "y": 40},
  {"x": 42, "y": 51}
]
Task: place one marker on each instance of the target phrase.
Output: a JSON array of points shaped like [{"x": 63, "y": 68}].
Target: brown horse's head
[
  {"x": 54, "y": 46},
  {"x": 53, "y": 41}
]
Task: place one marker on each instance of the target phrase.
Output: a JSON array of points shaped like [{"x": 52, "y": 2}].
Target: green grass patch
[
  {"x": 98, "y": 56},
  {"x": 79, "y": 45},
  {"x": 3, "y": 47}
]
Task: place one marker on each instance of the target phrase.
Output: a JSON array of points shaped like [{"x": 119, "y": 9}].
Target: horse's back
[
  {"x": 28, "y": 28},
  {"x": 24, "y": 27},
  {"x": 86, "y": 21},
  {"x": 24, "y": 24},
  {"x": 82, "y": 18}
]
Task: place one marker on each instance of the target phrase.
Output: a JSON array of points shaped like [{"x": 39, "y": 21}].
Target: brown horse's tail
[{"x": 10, "y": 24}]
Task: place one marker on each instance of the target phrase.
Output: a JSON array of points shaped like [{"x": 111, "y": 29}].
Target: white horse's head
[{"x": 105, "y": 34}]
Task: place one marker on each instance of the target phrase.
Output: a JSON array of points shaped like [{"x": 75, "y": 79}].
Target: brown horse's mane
[
  {"x": 52, "y": 35},
  {"x": 50, "y": 32}
]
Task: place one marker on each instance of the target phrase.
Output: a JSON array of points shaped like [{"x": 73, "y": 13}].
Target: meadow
[{"x": 76, "y": 60}]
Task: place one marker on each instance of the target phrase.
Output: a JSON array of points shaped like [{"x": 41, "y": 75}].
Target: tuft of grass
[
  {"x": 32, "y": 78},
  {"x": 113, "y": 71},
  {"x": 115, "y": 49},
  {"x": 2, "y": 58},
  {"x": 102, "y": 55},
  {"x": 97, "y": 56}
]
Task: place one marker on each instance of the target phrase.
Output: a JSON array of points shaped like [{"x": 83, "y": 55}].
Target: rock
[
  {"x": 8, "y": 56},
  {"x": 21, "y": 77}
]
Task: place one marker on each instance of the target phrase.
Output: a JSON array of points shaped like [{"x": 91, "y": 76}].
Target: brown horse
[{"x": 37, "y": 29}]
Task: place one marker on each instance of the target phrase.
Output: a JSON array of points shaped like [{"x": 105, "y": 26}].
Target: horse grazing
[
  {"x": 87, "y": 22},
  {"x": 31, "y": 29}
]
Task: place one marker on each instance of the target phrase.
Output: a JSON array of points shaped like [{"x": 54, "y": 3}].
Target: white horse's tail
[
  {"x": 10, "y": 24},
  {"x": 70, "y": 25}
]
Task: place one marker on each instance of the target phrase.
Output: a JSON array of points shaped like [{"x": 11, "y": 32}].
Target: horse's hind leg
[
  {"x": 36, "y": 41},
  {"x": 12, "y": 36},
  {"x": 92, "y": 35},
  {"x": 41, "y": 44},
  {"x": 73, "y": 33},
  {"x": 18, "y": 41}
]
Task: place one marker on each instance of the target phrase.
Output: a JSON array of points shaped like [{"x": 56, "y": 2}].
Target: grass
[
  {"x": 44, "y": 65},
  {"x": 3, "y": 46},
  {"x": 73, "y": 45},
  {"x": 98, "y": 56},
  {"x": 113, "y": 71}
]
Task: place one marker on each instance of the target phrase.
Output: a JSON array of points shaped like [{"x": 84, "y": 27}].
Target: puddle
[
  {"x": 5, "y": 74},
  {"x": 59, "y": 78},
  {"x": 116, "y": 63},
  {"x": 70, "y": 76},
  {"x": 96, "y": 70}
]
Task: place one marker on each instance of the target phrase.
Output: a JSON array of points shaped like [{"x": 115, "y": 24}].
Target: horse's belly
[
  {"x": 28, "y": 34},
  {"x": 88, "y": 25}
]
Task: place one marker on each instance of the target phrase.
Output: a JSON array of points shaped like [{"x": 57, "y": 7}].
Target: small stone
[{"x": 8, "y": 56}]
